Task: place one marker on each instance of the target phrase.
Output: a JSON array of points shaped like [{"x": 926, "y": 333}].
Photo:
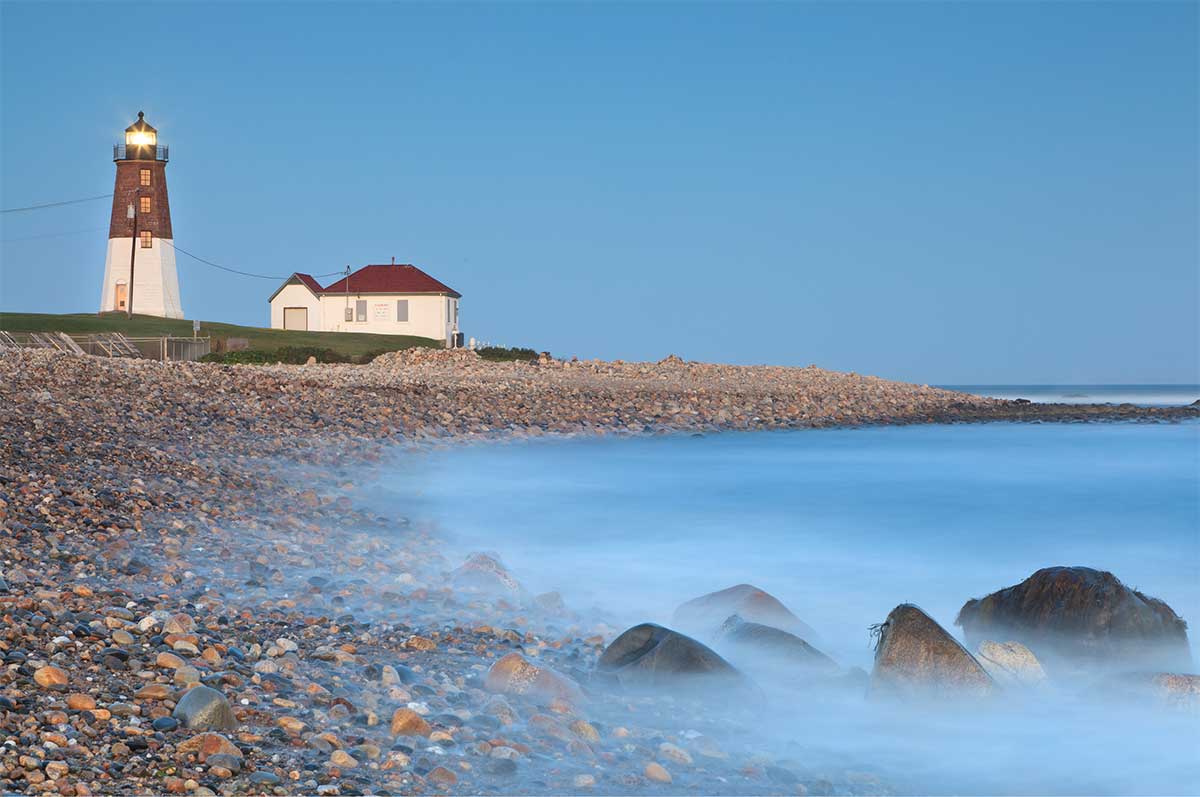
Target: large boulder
[
  {"x": 1010, "y": 663},
  {"x": 649, "y": 656},
  {"x": 915, "y": 656},
  {"x": 1077, "y": 615},
  {"x": 763, "y": 646},
  {"x": 704, "y": 615}
]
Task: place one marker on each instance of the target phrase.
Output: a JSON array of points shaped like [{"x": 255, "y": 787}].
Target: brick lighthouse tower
[{"x": 139, "y": 269}]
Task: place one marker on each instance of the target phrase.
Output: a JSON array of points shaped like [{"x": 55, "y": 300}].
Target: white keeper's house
[{"x": 391, "y": 299}]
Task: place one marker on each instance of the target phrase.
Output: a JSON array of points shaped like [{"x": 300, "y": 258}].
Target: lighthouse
[{"x": 139, "y": 268}]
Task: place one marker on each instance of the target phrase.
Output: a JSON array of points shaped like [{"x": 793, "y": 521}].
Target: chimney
[{"x": 393, "y": 260}]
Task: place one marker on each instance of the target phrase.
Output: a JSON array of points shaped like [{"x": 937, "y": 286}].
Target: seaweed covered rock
[
  {"x": 917, "y": 657},
  {"x": 773, "y": 648},
  {"x": 1081, "y": 615},
  {"x": 704, "y": 615},
  {"x": 649, "y": 656}
]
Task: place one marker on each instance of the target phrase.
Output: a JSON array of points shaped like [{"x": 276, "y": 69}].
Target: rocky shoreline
[{"x": 167, "y": 525}]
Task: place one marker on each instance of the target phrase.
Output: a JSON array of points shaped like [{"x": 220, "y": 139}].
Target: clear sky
[{"x": 947, "y": 193}]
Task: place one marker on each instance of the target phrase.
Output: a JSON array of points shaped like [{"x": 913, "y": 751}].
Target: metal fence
[{"x": 110, "y": 345}]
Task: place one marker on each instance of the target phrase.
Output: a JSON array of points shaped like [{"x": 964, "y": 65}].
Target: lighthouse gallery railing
[{"x": 142, "y": 152}]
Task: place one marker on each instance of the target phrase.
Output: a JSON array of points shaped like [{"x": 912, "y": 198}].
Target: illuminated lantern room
[{"x": 141, "y": 143}]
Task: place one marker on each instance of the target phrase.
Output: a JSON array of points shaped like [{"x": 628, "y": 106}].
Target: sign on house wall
[{"x": 381, "y": 312}]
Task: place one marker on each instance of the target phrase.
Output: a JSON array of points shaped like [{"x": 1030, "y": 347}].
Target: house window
[
  {"x": 147, "y": 239},
  {"x": 145, "y": 176},
  {"x": 360, "y": 310},
  {"x": 402, "y": 309},
  {"x": 144, "y": 204}
]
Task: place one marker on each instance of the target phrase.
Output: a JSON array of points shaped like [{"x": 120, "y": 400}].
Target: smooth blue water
[
  {"x": 1145, "y": 395},
  {"x": 843, "y": 525}
]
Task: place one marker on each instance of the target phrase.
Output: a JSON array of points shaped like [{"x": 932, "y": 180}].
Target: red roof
[
  {"x": 389, "y": 279},
  {"x": 312, "y": 284},
  {"x": 377, "y": 279}
]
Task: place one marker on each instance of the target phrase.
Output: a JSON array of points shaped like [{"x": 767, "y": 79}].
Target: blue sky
[{"x": 947, "y": 193}]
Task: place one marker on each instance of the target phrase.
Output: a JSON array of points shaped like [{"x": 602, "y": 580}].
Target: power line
[
  {"x": 184, "y": 251},
  {"x": 236, "y": 271},
  {"x": 52, "y": 235},
  {"x": 56, "y": 204}
]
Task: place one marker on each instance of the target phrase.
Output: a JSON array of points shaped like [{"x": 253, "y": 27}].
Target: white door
[{"x": 295, "y": 318}]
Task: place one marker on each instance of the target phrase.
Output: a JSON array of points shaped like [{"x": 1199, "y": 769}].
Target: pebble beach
[{"x": 192, "y": 601}]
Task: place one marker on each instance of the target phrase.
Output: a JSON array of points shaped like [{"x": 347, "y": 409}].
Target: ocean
[
  {"x": 1145, "y": 395},
  {"x": 842, "y": 525}
]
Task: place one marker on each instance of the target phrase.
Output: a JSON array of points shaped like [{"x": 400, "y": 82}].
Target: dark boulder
[
  {"x": 704, "y": 615},
  {"x": 772, "y": 648},
  {"x": 1074, "y": 615},
  {"x": 651, "y": 656},
  {"x": 915, "y": 656}
]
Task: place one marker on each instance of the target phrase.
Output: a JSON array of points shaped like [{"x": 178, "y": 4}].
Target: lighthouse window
[
  {"x": 145, "y": 176},
  {"x": 147, "y": 239},
  {"x": 144, "y": 204}
]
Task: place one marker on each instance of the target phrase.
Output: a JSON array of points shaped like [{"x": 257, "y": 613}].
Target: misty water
[{"x": 843, "y": 525}]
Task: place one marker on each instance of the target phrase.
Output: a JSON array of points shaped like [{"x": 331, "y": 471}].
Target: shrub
[
  {"x": 298, "y": 355},
  {"x": 368, "y": 356},
  {"x": 502, "y": 354},
  {"x": 295, "y": 355},
  {"x": 244, "y": 357}
]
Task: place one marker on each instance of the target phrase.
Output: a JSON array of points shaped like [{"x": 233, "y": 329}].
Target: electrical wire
[
  {"x": 237, "y": 271},
  {"x": 184, "y": 251},
  {"x": 56, "y": 204}
]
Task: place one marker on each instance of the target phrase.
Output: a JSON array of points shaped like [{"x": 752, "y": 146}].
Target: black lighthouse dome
[{"x": 141, "y": 142}]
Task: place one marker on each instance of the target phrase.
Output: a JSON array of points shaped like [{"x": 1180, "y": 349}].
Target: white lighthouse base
[{"x": 156, "y": 282}]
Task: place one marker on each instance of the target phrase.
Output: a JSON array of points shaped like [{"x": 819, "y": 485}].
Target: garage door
[{"x": 295, "y": 318}]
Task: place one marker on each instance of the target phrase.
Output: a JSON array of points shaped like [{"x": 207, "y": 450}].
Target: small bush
[
  {"x": 502, "y": 354},
  {"x": 298, "y": 355},
  {"x": 244, "y": 357},
  {"x": 295, "y": 355},
  {"x": 368, "y": 356}
]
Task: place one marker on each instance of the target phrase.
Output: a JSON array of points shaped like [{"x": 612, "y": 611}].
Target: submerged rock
[
  {"x": 1080, "y": 615},
  {"x": 205, "y": 708},
  {"x": 1172, "y": 690},
  {"x": 704, "y": 615},
  {"x": 485, "y": 573},
  {"x": 772, "y": 647},
  {"x": 917, "y": 657},
  {"x": 1010, "y": 663},
  {"x": 651, "y": 656}
]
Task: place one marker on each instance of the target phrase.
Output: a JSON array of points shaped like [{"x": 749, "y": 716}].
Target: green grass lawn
[{"x": 145, "y": 326}]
